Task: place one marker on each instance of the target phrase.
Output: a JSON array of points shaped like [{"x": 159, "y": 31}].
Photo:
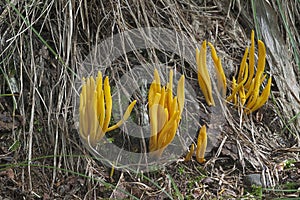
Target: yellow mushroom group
[
  {"x": 245, "y": 89},
  {"x": 203, "y": 75},
  {"x": 201, "y": 146},
  {"x": 165, "y": 112},
  {"x": 95, "y": 110},
  {"x": 165, "y": 109}
]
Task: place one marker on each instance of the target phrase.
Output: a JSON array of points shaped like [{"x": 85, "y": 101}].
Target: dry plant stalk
[
  {"x": 95, "y": 110},
  {"x": 165, "y": 112}
]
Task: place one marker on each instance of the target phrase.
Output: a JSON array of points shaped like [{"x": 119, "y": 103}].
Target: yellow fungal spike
[
  {"x": 99, "y": 91},
  {"x": 108, "y": 104},
  {"x": 219, "y": 69},
  {"x": 99, "y": 82},
  {"x": 243, "y": 71},
  {"x": 261, "y": 58},
  {"x": 124, "y": 118},
  {"x": 174, "y": 107},
  {"x": 95, "y": 109},
  {"x": 93, "y": 121},
  {"x": 251, "y": 62},
  {"x": 234, "y": 96},
  {"x": 169, "y": 100},
  {"x": 151, "y": 94},
  {"x": 161, "y": 117},
  {"x": 163, "y": 97},
  {"x": 255, "y": 94},
  {"x": 157, "y": 81},
  {"x": 203, "y": 75},
  {"x": 170, "y": 84},
  {"x": 153, "y": 122},
  {"x": 240, "y": 85},
  {"x": 164, "y": 142},
  {"x": 83, "y": 128},
  {"x": 201, "y": 145},
  {"x": 242, "y": 95},
  {"x": 180, "y": 93},
  {"x": 164, "y": 111},
  {"x": 190, "y": 153},
  {"x": 250, "y": 90},
  {"x": 257, "y": 79},
  {"x": 263, "y": 98},
  {"x": 167, "y": 134},
  {"x": 204, "y": 89},
  {"x": 154, "y": 88},
  {"x": 101, "y": 106},
  {"x": 213, "y": 53}
]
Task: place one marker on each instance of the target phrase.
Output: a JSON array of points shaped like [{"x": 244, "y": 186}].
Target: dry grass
[{"x": 42, "y": 47}]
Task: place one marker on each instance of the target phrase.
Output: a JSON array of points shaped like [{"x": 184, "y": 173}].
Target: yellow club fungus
[
  {"x": 221, "y": 78},
  {"x": 95, "y": 110},
  {"x": 165, "y": 112},
  {"x": 203, "y": 75},
  {"x": 201, "y": 145},
  {"x": 247, "y": 87},
  {"x": 188, "y": 157}
]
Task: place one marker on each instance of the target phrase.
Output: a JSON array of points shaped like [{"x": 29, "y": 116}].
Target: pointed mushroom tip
[{"x": 261, "y": 44}]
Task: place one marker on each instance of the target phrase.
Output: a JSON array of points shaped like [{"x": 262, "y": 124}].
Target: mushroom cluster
[
  {"x": 201, "y": 146},
  {"x": 165, "y": 112},
  {"x": 246, "y": 88},
  {"x": 203, "y": 75},
  {"x": 165, "y": 109},
  {"x": 95, "y": 110}
]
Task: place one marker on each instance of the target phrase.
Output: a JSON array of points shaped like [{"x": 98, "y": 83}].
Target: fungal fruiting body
[
  {"x": 203, "y": 74},
  {"x": 95, "y": 109},
  {"x": 201, "y": 145},
  {"x": 246, "y": 88},
  {"x": 165, "y": 112}
]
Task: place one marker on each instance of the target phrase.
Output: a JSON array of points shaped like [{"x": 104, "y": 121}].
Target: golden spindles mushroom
[
  {"x": 242, "y": 77},
  {"x": 95, "y": 110},
  {"x": 203, "y": 75},
  {"x": 165, "y": 112},
  {"x": 201, "y": 145},
  {"x": 188, "y": 156},
  {"x": 247, "y": 87},
  {"x": 263, "y": 98},
  {"x": 221, "y": 78},
  {"x": 259, "y": 72},
  {"x": 251, "y": 62}
]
